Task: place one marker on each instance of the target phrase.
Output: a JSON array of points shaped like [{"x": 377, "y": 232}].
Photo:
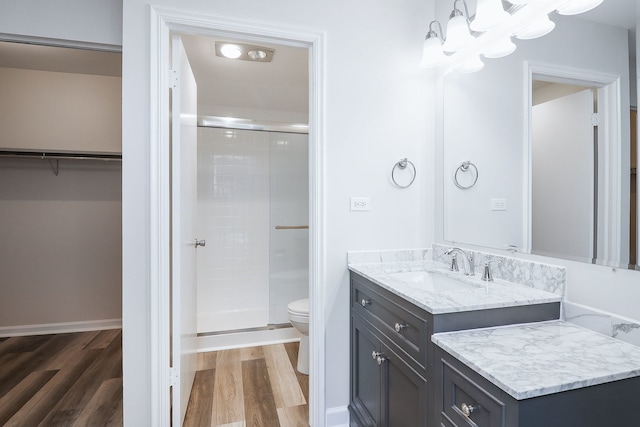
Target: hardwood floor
[
  {"x": 249, "y": 387},
  {"x": 76, "y": 380},
  {"x": 62, "y": 380}
]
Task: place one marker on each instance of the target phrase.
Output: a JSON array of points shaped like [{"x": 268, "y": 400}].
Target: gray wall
[{"x": 60, "y": 242}]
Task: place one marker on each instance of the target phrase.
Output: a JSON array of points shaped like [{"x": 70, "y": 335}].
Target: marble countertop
[
  {"x": 481, "y": 295},
  {"x": 535, "y": 359}
]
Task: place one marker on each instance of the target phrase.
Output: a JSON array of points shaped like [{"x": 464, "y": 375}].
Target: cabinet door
[
  {"x": 406, "y": 393},
  {"x": 366, "y": 375}
]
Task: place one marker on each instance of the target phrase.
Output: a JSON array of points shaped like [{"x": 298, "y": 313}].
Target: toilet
[{"x": 299, "y": 318}]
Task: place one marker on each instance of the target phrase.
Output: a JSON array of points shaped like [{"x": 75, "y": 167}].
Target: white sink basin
[{"x": 433, "y": 282}]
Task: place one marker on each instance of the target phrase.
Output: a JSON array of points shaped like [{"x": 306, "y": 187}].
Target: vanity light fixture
[
  {"x": 244, "y": 52},
  {"x": 458, "y": 32},
  {"x": 574, "y": 7},
  {"x": 503, "y": 46},
  {"x": 471, "y": 65},
  {"x": 489, "y": 14},
  {"x": 432, "y": 53},
  {"x": 539, "y": 27},
  {"x": 489, "y": 31}
]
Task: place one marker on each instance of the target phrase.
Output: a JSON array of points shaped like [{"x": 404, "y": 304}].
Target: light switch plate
[
  {"x": 360, "y": 204},
  {"x": 498, "y": 204}
]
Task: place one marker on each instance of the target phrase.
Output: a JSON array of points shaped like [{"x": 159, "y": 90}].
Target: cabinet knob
[
  {"x": 378, "y": 357},
  {"x": 467, "y": 410},
  {"x": 400, "y": 326},
  {"x": 365, "y": 302}
]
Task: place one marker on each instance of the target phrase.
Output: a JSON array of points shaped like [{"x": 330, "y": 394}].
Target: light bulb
[{"x": 231, "y": 51}]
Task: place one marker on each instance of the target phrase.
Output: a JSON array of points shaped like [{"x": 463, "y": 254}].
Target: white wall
[
  {"x": 60, "y": 244},
  {"x": 378, "y": 109},
  {"x": 39, "y": 107},
  {"x": 90, "y": 21}
]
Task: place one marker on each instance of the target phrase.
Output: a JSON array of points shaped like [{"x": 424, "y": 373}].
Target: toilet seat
[{"x": 299, "y": 308}]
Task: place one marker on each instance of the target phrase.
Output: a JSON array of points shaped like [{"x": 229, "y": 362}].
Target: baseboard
[
  {"x": 337, "y": 416},
  {"x": 60, "y": 328},
  {"x": 246, "y": 339}
]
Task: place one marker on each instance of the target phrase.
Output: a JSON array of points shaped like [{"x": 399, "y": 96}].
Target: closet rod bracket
[{"x": 56, "y": 168}]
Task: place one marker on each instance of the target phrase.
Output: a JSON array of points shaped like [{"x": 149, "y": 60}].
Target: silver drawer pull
[
  {"x": 365, "y": 302},
  {"x": 400, "y": 326},
  {"x": 467, "y": 410},
  {"x": 380, "y": 360}
]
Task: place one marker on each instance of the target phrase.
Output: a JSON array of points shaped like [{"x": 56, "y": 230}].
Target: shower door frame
[{"x": 164, "y": 22}]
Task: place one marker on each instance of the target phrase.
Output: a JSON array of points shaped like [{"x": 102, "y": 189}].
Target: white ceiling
[{"x": 281, "y": 84}]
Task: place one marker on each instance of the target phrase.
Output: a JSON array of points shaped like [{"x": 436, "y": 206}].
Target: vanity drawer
[
  {"x": 394, "y": 317},
  {"x": 465, "y": 403}
]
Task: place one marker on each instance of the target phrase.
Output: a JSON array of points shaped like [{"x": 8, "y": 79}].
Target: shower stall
[{"x": 253, "y": 212}]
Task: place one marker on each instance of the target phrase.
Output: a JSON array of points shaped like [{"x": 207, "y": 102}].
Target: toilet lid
[{"x": 299, "y": 307}]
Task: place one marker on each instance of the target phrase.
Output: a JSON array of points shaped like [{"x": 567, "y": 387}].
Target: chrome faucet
[{"x": 467, "y": 259}]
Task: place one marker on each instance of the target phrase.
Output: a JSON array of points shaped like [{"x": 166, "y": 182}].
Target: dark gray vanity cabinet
[
  {"x": 392, "y": 356},
  {"x": 466, "y": 399},
  {"x": 386, "y": 391}
]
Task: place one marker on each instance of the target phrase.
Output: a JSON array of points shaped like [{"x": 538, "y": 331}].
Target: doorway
[
  {"x": 177, "y": 23},
  {"x": 606, "y": 213}
]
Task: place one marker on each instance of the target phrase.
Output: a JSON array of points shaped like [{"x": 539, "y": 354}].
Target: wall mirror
[{"x": 545, "y": 187}]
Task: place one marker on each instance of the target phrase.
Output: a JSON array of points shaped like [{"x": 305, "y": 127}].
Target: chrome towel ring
[
  {"x": 464, "y": 168},
  {"x": 402, "y": 164}
]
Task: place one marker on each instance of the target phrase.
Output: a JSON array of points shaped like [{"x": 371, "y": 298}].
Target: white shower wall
[{"x": 248, "y": 182}]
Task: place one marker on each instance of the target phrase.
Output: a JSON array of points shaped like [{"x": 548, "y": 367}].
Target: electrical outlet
[
  {"x": 360, "y": 204},
  {"x": 498, "y": 204}
]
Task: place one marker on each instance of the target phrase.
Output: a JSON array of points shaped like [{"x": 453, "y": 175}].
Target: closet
[{"x": 60, "y": 189}]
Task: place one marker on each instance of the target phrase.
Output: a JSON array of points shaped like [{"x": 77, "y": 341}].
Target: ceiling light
[
  {"x": 244, "y": 52},
  {"x": 257, "y": 55},
  {"x": 231, "y": 51}
]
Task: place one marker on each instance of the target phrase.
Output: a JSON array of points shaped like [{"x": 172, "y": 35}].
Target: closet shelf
[
  {"x": 57, "y": 156},
  {"x": 60, "y": 155}
]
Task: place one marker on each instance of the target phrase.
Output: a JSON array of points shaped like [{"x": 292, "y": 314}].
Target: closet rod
[{"x": 61, "y": 156}]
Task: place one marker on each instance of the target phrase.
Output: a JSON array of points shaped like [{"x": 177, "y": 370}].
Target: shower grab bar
[{"x": 292, "y": 227}]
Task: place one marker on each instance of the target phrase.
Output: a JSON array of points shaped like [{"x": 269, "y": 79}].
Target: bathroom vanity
[
  {"x": 393, "y": 374},
  {"x": 414, "y": 361},
  {"x": 536, "y": 375}
]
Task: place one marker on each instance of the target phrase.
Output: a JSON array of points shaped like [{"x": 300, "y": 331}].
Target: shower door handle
[{"x": 199, "y": 243}]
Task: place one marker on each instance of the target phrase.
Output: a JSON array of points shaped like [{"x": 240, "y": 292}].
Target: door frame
[
  {"x": 609, "y": 135},
  {"x": 163, "y": 22}
]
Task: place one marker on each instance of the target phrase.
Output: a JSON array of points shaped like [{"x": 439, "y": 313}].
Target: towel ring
[
  {"x": 464, "y": 167},
  {"x": 402, "y": 164}
]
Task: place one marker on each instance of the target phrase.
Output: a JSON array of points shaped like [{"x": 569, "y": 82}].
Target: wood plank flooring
[
  {"x": 249, "y": 387},
  {"x": 62, "y": 380},
  {"x": 76, "y": 380}
]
